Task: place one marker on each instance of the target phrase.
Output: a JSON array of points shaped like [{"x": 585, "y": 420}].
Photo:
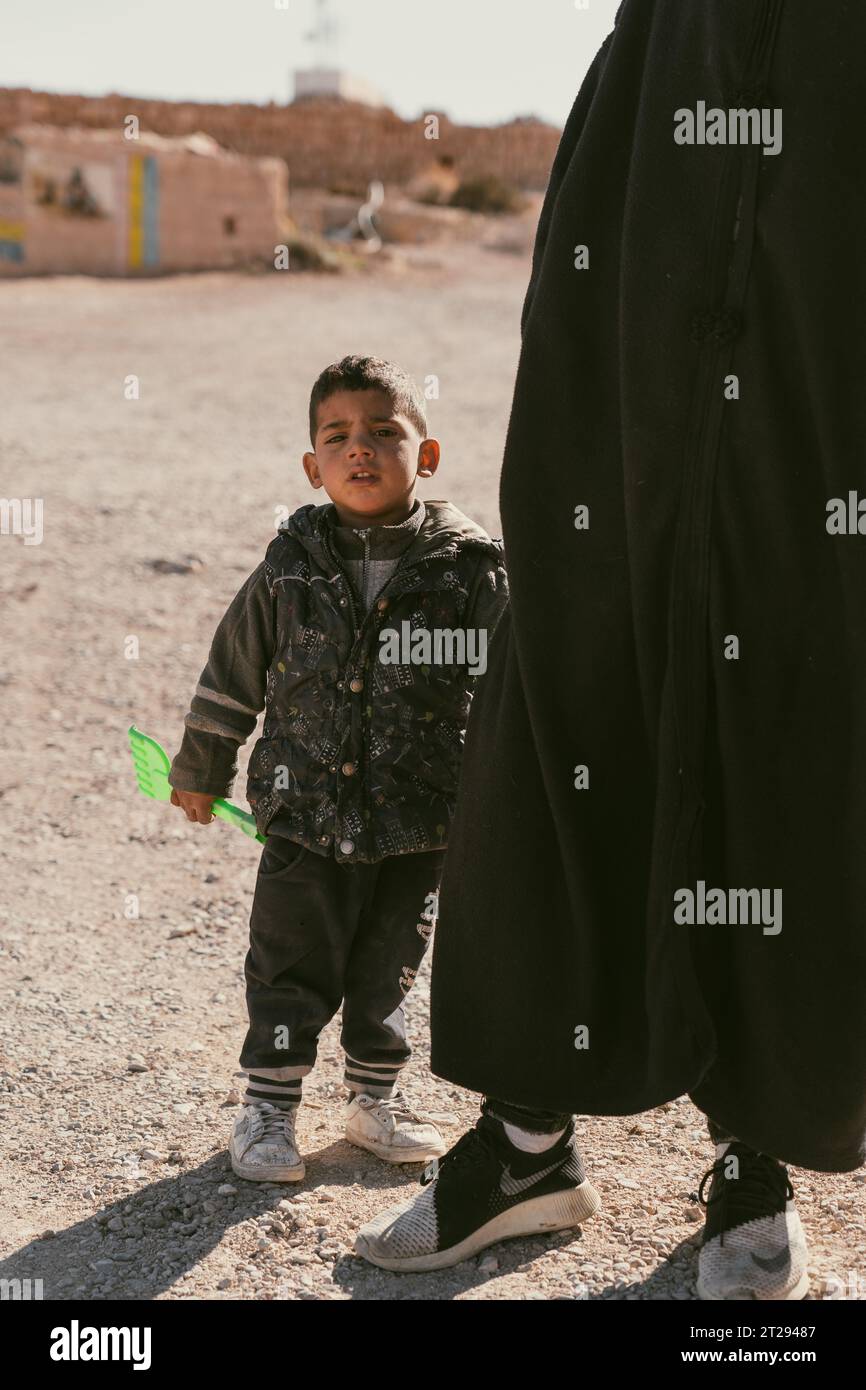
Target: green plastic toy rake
[{"x": 152, "y": 766}]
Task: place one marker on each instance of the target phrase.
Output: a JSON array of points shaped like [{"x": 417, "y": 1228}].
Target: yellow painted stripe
[{"x": 11, "y": 231}]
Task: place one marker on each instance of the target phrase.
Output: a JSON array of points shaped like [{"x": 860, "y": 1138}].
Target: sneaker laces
[
  {"x": 471, "y": 1149},
  {"x": 269, "y": 1122},
  {"x": 761, "y": 1189},
  {"x": 398, "y": 1106}
]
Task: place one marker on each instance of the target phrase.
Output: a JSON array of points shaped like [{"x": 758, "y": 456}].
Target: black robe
[{"x": 739, "y": 767}]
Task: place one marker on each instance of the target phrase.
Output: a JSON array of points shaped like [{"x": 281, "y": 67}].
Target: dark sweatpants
[{"x": 324, "y": 933}]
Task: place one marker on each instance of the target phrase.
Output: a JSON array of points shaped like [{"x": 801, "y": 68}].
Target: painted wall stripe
[
  {"x": 151, "y": 211},
  {"x": 143, "y": 211}
]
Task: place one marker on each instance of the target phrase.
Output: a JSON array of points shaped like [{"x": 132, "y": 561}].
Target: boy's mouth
[{"x": 363, "y": 476}]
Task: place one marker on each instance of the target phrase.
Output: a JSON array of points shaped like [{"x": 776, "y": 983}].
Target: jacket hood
[{"x": 444, "y": 525}]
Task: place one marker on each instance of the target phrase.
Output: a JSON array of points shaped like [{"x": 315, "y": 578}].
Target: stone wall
[{"x": 325, "y": 143}]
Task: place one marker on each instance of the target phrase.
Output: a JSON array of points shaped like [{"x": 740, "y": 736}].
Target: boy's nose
[{"x": 361, "y": 446}]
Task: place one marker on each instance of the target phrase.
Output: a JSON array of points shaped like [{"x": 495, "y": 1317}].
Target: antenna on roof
[{"x": 324, "y": 33}]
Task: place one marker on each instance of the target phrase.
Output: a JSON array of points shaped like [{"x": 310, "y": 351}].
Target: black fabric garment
[
  {"x": 324, "y": 934},
  {"x": 707, "y": 517}
]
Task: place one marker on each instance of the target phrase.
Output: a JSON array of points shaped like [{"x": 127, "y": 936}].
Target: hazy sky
[{"x": 481, "y": 61}]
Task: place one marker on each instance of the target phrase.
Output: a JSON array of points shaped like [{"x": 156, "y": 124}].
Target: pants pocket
[{"x": 281, "y": 857}]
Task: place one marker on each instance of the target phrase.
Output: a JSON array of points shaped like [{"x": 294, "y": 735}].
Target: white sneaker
[
  {"x": 263, "y": 1146},
  {"x": 391, "y": 1130}
]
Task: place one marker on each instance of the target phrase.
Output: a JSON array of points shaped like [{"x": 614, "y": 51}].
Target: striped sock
[
  {"x": 373, "y": 1078},
  {"x": 283, "y": 1094}
]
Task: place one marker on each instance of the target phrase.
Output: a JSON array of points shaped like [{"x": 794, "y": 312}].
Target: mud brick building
[{"x": 90, "y": 201}]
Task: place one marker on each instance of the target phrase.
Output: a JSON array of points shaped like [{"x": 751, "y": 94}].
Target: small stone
[
  {"x": 226, "y": 1190},
  {"x": 488, "y": 1265},
  {"x": 137, "y": 1066}
]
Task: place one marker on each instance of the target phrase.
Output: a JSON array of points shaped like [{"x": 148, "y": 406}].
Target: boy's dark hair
[{"x": 362, "y": 374}]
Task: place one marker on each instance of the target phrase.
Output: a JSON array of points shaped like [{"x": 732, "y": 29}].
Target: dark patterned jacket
[{"x": 359, "y": 758}]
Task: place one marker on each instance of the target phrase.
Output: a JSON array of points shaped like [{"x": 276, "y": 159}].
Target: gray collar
[{"x": 384, "y": 541}]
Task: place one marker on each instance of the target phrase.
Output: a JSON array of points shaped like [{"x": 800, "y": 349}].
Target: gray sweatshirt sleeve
[{"x": 230, "y": 694}]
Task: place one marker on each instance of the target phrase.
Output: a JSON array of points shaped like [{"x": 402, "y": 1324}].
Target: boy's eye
[{"x": 338, "y": 438}]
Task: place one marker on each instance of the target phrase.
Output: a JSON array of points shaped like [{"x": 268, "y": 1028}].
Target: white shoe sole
[
  {"x": 799, "y": 1290},
  {"x": 392, "y": 1155},
  {"x": 254, "y": 1172},
  {"x": 555, "y": 1212}
]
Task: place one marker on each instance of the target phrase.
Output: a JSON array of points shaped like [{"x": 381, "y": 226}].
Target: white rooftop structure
[{"x": 331, "y": 82}]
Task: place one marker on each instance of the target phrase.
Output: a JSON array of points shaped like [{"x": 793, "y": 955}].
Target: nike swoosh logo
[
  {"x": 511, "y": 1186},
  {"x": 772, "y": 1263}
]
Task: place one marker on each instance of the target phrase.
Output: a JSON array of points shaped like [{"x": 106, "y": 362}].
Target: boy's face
[{"x": 367, "y": 458}]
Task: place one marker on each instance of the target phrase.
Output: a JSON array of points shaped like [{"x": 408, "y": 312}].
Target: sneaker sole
[
  {"x": 253, "y": 1172},
  {"x": 420, "y": 1155},
  {"x": 800, "y": 1289},
  {"x": 555, "y": 1212}
]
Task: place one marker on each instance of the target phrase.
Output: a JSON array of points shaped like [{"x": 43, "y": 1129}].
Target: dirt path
[{"x": 120, "y": 1035}]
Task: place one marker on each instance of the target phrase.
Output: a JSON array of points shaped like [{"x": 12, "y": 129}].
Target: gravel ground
[{"x": 120, "y": 1034}]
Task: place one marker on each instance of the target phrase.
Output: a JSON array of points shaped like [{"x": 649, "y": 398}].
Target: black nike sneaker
[
  {"x": 482, "y": 1191},
  {"x": 753, "y": 1245}
]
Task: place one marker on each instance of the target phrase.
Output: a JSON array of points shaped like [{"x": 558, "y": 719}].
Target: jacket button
[
  {"x": 339, "y": 685},
  {"x": 356, "y": 685},
  {"x": 347, "y": 846},
  {"x": 349, "y": 768},
  {"x": 334, "y": 767},
  {"x": 382, "y": 604},
  {"x": 342, "y": 603},
  {"x": 323, "y": 839}
]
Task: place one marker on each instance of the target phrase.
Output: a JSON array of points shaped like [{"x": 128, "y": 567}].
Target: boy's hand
[{"x": 195, "y": 805}]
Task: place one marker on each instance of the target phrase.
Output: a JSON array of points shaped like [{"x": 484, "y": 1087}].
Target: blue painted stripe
[{"x": 151, "y": 211}]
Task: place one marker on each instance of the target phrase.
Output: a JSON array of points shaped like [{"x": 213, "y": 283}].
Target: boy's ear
[
  {"x": 311, "y": 468},
  {"x": 428, "y": 458}
]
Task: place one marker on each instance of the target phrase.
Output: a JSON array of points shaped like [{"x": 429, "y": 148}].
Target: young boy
[{"x": 362, "y": 633}]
